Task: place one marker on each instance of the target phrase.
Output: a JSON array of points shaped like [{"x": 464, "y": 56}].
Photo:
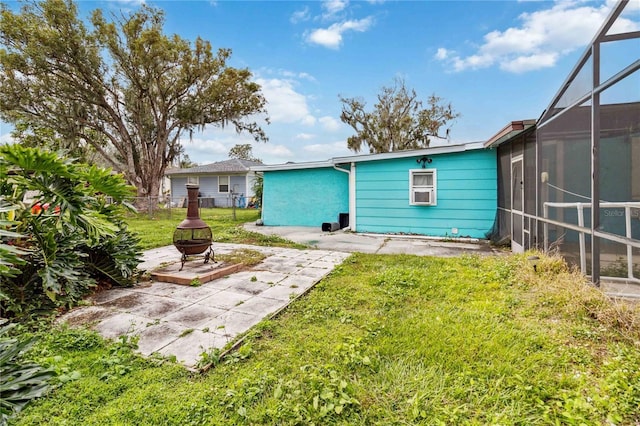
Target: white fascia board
[
  {"x": 292, "y": 166},
  {"x": 445, "y": 149}
]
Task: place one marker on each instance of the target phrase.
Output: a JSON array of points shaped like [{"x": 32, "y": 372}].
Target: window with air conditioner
[
  {"x": 223, "y": 184},
  {"x": 422, "y": 187},
  {"x": 193, "y": 180}
]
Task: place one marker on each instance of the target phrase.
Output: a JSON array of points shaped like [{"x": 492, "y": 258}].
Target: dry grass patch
[{"x": 572, "y": 294}]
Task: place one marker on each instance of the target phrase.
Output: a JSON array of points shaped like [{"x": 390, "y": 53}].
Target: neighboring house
[
  {"x": 219, "y": 182},
  {"x": 448, "y": 191}
]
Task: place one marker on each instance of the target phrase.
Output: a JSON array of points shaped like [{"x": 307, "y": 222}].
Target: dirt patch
[
  {"x": 85, "y": 315},
  {"x": 159, "y": 309},
  {"x": 126, "y": 302}
]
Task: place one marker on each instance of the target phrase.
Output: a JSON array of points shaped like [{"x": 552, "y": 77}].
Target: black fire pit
[{"x": 193, "y": 236}]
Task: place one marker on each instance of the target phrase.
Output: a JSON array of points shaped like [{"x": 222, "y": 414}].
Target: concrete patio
[{"x": 185, "y": 321}]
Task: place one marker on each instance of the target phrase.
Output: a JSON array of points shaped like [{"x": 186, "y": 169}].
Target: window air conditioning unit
[{"x": 423, "y": 197}]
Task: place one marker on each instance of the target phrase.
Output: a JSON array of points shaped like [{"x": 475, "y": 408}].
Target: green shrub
[
  {"x": 68, "y": 239},
  {"x": 9, "y": 255},
  {"x": 20, "y": 381}
]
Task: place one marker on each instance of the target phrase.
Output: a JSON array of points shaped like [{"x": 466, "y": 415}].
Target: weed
[
  {"x": 195, "y": 282},
  {"x": 242, "y": 353},
  {"x": 186, "y": 332},
  {"x": 119, "y": 361},
  {"x": 209, "y": 358},
  {"x": 246, "y": 257}
]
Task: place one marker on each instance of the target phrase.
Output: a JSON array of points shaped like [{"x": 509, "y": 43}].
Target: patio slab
[
  {"x": 193, "y": 271},
  {"x": 184, "y": 321}
]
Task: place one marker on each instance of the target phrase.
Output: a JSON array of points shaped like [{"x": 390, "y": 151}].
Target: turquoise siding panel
[
  {"x": 466, "y": 196},
  {"x": 307, "y": 197}
]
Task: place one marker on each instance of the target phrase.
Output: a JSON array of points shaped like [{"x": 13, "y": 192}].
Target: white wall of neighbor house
[
  {"x": 218, "y": 187},
  {"x": 250, "y": 180}
]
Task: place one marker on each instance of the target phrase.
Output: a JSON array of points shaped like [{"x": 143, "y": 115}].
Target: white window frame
[
  {"x": 193, "y": 180},
  {"x": 228, "y": 184},
  {"x": 413, "y": 189}
]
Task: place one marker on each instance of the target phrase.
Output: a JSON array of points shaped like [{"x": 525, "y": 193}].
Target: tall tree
[
  {"x": 122, "y": 86},
  {"x": 397, "y": 122},
  {"x": 243, "y": 152}
]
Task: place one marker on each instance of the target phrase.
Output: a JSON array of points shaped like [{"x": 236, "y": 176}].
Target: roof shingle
[{"x": 233, "y": 165}]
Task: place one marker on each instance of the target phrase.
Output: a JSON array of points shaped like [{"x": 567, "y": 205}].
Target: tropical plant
[
  {"x": 258, "y": 189},
  {"x": 67, "y": 233},
  {"x": 119, "y": 86},
  {"x": 397, "y": 122},
  {"x": 20, "y": 381},
  {"x": 9, "y": 255}
]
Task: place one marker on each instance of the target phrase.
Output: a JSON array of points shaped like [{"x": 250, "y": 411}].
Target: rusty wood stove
[{"x": 193, "y": 235}]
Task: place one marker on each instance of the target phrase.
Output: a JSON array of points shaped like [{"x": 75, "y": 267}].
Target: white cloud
[
  {"x": 442, "y": 53},
  {"x": 300, "y": 75},
  {"x": 270, "y": 150},
  {"x": 305, "y": 136},
  {"x": 214, "y": 147},
  {"x": 542, "y": 38},
  {"x": 285, "y": 105},
  {"x": 127, "y": 2},
  {"x": 328, "y": 150},
  {"x": 6, "y": 139},
  {"x": 332, "y": 37},
  {"x": 308, "y": 120},
  {"x": 332, "y": 7},
  {"x": 214, "y": 144},
  {"x": 285, "y": 73},
  {"x": 527, "y": 63},
  {"x": 300, "y": 15},
  {"x": 330, "y": 123}
]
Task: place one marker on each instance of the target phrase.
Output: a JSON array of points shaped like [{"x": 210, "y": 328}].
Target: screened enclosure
[{"x": 570, "y": 181}]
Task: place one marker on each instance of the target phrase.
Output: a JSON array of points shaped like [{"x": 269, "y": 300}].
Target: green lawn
[
  {"x": 158, "y": 231},
  {"x": 388, "y": 340}
]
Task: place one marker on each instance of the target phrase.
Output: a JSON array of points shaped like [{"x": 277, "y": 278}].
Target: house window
[
  {"x": 193, "y": 180},
  {"x": 223, "y": 183},
  {"x": 422, "y": 187}
]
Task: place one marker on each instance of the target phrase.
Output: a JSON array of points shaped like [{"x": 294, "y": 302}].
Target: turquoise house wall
[
  {"x": 466, "y": 196},
  {"x": 306, "y": 197}
]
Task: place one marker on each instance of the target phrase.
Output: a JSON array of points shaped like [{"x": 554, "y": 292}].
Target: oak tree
[
  {"x": 119, "y": 85},
  {"x": 243, "y": 152},
  {"x": 397, "y": 121}
]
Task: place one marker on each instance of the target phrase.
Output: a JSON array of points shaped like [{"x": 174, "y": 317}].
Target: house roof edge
[
  {"x": 444, "y": 149},
  {"x": 293, "y": 166},
  {"x": 512, "y": 129}
]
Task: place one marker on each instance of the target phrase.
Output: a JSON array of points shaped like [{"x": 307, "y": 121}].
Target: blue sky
[{"x": 495, "y": 61}]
